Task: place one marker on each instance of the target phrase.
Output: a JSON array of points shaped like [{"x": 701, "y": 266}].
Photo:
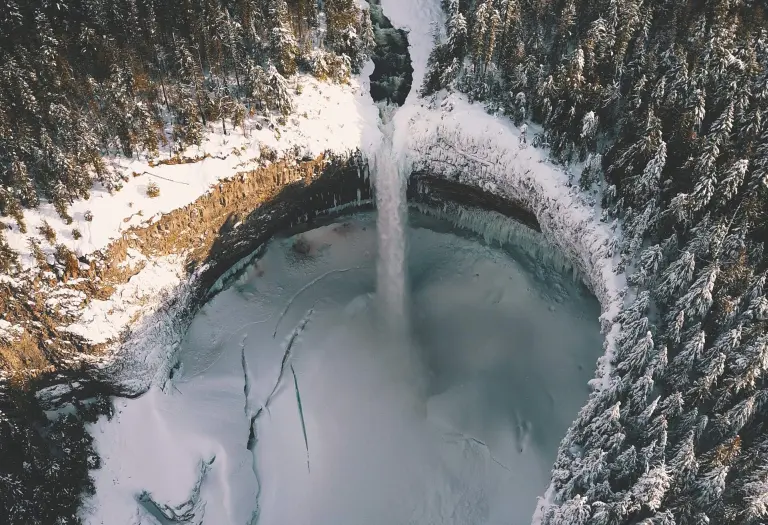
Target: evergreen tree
[{"x": 346, "y": 33}]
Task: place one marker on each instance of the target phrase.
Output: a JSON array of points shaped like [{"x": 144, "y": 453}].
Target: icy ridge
[
  {"x": 458, "y": 140},
  {"x": 146, "y": 357}
]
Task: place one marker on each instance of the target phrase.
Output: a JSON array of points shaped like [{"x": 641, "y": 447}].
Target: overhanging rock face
[
  {"x": 145, "y": 357},
  {"x": 434, "y": 190},
  {"x": 342, "y": 184}
]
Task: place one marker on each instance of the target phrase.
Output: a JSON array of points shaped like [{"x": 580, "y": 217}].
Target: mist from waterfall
[
  {"x": 391, "y": 223},
  {"x": 290, "y": 388}
]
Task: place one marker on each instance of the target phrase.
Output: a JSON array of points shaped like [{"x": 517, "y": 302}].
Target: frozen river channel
[{"x": 292, "y": 406}]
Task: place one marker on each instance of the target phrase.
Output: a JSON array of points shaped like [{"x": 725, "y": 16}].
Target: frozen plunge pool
[{"x": 460, "y": 425}]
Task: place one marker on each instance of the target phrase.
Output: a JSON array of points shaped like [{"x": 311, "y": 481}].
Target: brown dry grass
[
  {"x": 177, "y": 159},
  {"x": 23, "y": 354}
]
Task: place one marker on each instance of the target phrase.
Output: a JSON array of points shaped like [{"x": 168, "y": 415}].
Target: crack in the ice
[
  {"x": 287, "y": 354},
  {"x": 252, "y": 434},
  {"x": 301, "y": 413},
  {"x": 307, "y": 287},
  {"x": 246, "y": 378},
  {"x": 251, "y": 443},
  {"x": 472, "y": 439},
  {"x": 192, "y": 509}
]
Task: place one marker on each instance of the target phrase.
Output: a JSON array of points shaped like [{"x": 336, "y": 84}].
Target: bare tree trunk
[{"x": 162, "y": 85}]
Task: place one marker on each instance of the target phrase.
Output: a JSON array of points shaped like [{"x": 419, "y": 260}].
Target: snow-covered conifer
[
  {"x": 698, "y": 300},
  {"x": 710, "y": 485},
  {"x": 283, "y": 45},
  {"x": 575, "y": 511},
  {"x": 748, "y": 364},
  {"x": 754, "y": 497},
  {"x": 682, "y": 364},
  {"x": 603, "y": 427},
  {"x": 634, "y": 360},
  {"x": 638, "y": 395},
  {"x": 650, "y": 489},
  {"x": 457, "y": 32},
  {"x": 676, "y": 277},
  {"x": 733, "y": 180},
  {"x": 277, "y": 92},
  {"x": 684, "y": 464},
  {"x": 710, "y": 370}
]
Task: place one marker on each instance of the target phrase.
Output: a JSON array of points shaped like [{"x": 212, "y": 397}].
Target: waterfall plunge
[{"x": 391, "y": 221}]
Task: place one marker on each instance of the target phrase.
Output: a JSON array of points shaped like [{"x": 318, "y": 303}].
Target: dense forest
[
  {"x": 81, "y": 79},
  {"x": 664, "y": 105},
  {"x": 46, "y": 458}
]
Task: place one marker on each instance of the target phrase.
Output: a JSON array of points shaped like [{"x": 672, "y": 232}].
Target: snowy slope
[
  {"x": 333, "y": 117},
  {"x": 326, "y": 117}
]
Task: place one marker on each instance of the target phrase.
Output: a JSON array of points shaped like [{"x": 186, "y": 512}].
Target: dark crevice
[
  {"x": 392, "y": 75},
  {"x": 287, "y": 354},
  {"x": 190, "y": 511},
  {"x": 435, "y": 191},
  {"x": 301, "y": 412}
]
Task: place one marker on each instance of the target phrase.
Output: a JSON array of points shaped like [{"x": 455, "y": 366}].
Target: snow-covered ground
[
  {"x": 102, "y": 320},
  {"x": 458, "y": 427},
  {"x": 326, "y": 117}
]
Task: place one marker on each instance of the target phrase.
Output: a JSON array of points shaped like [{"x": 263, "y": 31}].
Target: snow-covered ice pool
[{"x": 460, "y": 425}]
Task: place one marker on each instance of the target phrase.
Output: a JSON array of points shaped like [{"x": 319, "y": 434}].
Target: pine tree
[
  {"x": 344, "y": 31},
  {"x": 754, "y": 497},
  {"x": 283, "y": 46},
  {"x": 650, "y": 489},
  {"x": 277, "y": 93}
]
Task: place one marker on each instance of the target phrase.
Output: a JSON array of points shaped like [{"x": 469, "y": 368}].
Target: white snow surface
[
  {"x": 327, "y": 117},
  {"x": 103, "y": 320},
  {"x": 460, "y": 426}
]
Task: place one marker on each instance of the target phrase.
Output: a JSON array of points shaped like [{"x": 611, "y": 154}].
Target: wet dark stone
[
  {"x": 392, "y": 76},
  {"x": 440, "y": 190}
]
